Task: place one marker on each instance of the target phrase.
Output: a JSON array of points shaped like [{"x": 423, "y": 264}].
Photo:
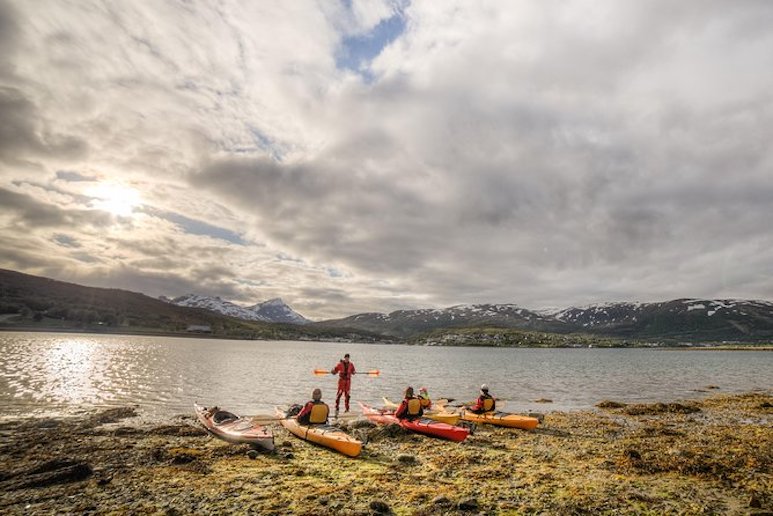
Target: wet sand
[{"x": 712, "y": 456}]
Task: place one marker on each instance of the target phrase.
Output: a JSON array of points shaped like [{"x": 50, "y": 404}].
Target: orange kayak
[
  {"x": 324, "y": 435},
  {"x": 501, "y": 419},
  {"x": 442, "y": 415}
]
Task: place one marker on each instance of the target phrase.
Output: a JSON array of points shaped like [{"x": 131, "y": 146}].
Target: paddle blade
[
  {"x": 373, "y": 372},
  {"x": 321, "y": 372}
]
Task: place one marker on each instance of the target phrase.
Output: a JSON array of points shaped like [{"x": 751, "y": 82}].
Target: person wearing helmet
[
  {"x": 426, "y": 402},
  {"x": 315, "y": 412},
  {"x": 410, "y": 408},
  {"x": 485, "y": 402},
  {"x": 344, "y": 369}
]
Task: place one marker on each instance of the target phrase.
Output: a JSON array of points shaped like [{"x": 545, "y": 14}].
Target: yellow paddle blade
[{"x": 323, "y": 372}]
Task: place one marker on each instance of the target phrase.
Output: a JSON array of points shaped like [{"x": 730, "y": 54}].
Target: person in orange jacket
[
  {"x": 315, "y": 412},
  {"x": 345, "y": 370},
  {"x": 485, "y": 402},
  {"x": 410, "y": 408}
]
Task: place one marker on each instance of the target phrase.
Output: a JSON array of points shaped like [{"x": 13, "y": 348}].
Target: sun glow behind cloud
[{"x": 120, "y": 200}]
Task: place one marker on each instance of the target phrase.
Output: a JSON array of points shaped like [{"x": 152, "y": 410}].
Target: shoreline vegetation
[
  {"x": 468, "y": 337},
  {"x": 712, "y": 455}
]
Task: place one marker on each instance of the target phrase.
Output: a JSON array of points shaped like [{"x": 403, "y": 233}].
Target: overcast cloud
[{"x": 383, "y": 154}]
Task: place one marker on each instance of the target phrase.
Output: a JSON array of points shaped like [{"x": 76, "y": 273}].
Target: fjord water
[{"x": 52, "y": 373}]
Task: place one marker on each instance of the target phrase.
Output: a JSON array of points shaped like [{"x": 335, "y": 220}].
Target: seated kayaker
[
  {"x": 315, "y": 412},
  {"x": 426, "y": 402},
  {"x": 410, "y": 408},
  {"x": 484, "y": 403}
]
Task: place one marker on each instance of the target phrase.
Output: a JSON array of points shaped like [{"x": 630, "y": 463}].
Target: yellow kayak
[
  {"x": 324, "y": 435},
  {"x": 442, "y": 415},
  {"x": 501, "y": 419}
]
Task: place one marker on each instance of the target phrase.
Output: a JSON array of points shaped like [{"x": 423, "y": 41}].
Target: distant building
[{"x": 199, "y": 328}]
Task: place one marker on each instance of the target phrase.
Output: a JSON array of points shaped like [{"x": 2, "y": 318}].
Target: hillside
[
  {"x": 33, "y": 302},
  {"x": 409, "y": 323},
  {"x": 273, "y": 310},
  {"x": 681, "y": 320}
]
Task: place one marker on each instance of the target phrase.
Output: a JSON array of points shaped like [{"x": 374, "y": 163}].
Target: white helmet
[{"x": 484, "y": 387}]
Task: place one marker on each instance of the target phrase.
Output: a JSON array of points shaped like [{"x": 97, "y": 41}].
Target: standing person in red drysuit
[{"x": 345, "y": 370}]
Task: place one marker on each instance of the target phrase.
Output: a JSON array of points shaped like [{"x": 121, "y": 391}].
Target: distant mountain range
[
  {"x": 35, "y": 303},
  {"x": 27, "y": 300},
  {"x": 273, "y": 310},
  {"x": 691, "y": 320}
]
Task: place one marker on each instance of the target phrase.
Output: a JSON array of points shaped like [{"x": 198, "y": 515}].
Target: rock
[
  {"x": 286, "y": 444},
  {"x": 543, "y": 400},
  {"x": 361, "y": 423},
  {"x": 57, "y": 471},
  {"x": 755, "y": 502},
  {"x": 660, "y": 408},
  {"x": 632, "y": 454},
  {"x": 252, "y": 454},
  {"x": 379, "y": 507},
  {"x": 610, "y": 404},
  {"x": 111, "y": 416},
  {"x": 441, "y": 500},
  {"x": 470, "y": 504},
  {"x": 323, "y": 500},
  {"x": 404, "y": 458}
]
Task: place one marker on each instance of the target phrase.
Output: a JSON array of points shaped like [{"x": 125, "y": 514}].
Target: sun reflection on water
[{"x": 70, "y": 371}]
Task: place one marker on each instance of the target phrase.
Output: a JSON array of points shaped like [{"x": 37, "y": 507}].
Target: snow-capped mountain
[
  {"x": 717, "y": 318},
  {"x": 273, "y": 310},
  {"x": 276, "y": 310},
  {"x": 403, "y": 323},
  {"x": 680, "y": 319}
]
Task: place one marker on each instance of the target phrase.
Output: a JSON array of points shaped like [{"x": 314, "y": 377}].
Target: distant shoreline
[
  {"x": 194, "y": 335},
  {"x": 137, "y": 333}
]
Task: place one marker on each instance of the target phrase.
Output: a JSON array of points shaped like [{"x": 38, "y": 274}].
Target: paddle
[
  {"x": 264, "y": 419},
  {"x": 371, "y": 373}
]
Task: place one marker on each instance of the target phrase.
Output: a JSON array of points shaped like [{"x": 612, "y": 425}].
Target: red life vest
[{"x": 344, "y": 370}]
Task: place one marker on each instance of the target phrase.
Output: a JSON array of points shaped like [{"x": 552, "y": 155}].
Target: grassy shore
[{"x": 712, "y": 456}]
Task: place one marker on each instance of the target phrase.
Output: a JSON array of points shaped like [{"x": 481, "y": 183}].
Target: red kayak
[
  {"x": 234, "y": 429},
  {"x": 421, "y": 426}
]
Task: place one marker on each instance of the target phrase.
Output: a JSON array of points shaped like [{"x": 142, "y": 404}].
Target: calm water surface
[{"x": 46, "y": 373}]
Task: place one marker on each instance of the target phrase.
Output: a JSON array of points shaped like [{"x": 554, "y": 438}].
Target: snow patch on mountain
[{"x": 273, "y": 310}]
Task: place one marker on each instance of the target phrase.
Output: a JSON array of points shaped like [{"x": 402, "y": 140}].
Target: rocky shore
[{"x": 711, "y": 456}]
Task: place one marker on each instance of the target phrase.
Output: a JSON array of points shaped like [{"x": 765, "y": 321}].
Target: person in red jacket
[
  {"x": 345, "y": 370},
  {"x": 410, "y": 408},
  {"x": 485, "y": 402},
  {"x": 315, "y": 412}
]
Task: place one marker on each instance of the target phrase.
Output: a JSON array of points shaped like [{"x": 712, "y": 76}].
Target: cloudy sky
[{"x": 372, "y": 155}]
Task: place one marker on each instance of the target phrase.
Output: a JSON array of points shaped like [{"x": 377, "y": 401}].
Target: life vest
[
  {"x": 319, "y": 413},
  {"x": 345, "y": 371},
  {"x": 488, "y": 403},
  {"x": 414, "y": 407},
  {"x": 425, "y": 402}
]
